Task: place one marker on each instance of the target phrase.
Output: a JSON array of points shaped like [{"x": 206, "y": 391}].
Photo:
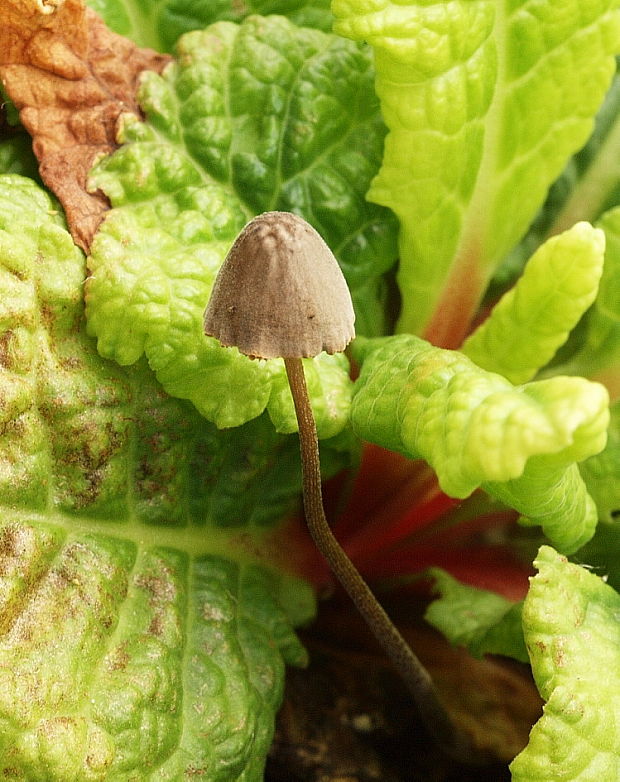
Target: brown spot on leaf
[
  {"x": 70, "y": 78},
  {"x": 159, "y": 586},
  {"x": 119, "y": 659},
  {"x": 5, "y": 348},
  {"x": 156, "y": 626}
]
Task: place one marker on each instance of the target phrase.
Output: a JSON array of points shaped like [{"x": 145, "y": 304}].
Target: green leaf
[
  {"x": 570, "y": 621},
  {"x": 482, "y": 621},
  {"x": 534, "y": 318},
  {"x": 597, "y": 353},
  {"x": 485, "y": 102},
  {"x": 328, "y": 384},
  {"x": 209, "y": 157},
  {"x": 160, "y": 24},
  {"x": 588, "y": 186},
  {"x": 9, "y": 116},
  {"x": 476, "y": 429},
  {"x": 122, "y": 661},
  {"x": 601, "y": 472},
  {"x": 16, "y": 156},
  {"x": 145, "y": 612},
  {"x": 607, "y": 300},
  {"x": 553, "y": 496}
]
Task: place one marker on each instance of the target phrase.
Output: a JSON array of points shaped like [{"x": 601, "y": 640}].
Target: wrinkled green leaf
[
  {"x": 553, "y": 496},
  {"x": 534, "y": 318},
  {"x": 485, "y": 102},
  {"x": 160, "y": 24},
  {"x": 570, "y": 621},
  {"x": 145, "y": 615},
  {"x": 476, "y": 429},
  {"x": 135, "y": 662},
  {"x": 209, "y": 157},
  {"x": 597, "y": 353},
  {"x": 482, "y": 621},
  {"x": 601, "y": 472}
]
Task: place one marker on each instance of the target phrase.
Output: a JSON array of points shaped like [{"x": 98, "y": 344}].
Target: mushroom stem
[{"x": 419, "y": 683}]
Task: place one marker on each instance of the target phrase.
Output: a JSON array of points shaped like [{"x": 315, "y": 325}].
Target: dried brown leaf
[{"x": 71, "y": 79}]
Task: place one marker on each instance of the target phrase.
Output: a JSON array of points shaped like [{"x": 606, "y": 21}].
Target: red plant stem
[
  {"x": 377, "y": 535},
  {"x": 459, "y": 300},
  {"x": 386, "y": 483},
  {"x": 494, "y": 568}
]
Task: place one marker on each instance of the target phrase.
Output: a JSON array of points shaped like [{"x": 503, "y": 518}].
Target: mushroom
[{"x": 281, "y": 294}]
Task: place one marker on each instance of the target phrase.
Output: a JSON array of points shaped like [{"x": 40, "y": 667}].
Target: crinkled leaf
[
  {"x": 601, "y": 472},
  {"x": 424, "y": 401},
  {"x": 126, "y": 661},
  {"x": 534, "y": 318},
  {"x": 485, "y": 102},
  {"x": 475, "y": 428},
  {"x": 159, "y": 25},
  {"x": 209, "y": 157},
  {"x": 182, "y": 468},
  {"x": 597, "y": 353},
  {"x": 145, "y": 613},
  {"x": 71, "y": 79},
  {"x": 328, "y": 384},
  {"x": 570, "y": 621},
  {"x": 553, "y": 496},
  {"x": 482, "y": 621}
]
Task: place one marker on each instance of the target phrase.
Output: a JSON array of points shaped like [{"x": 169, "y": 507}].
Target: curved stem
[{"x": 419, "y": 683}]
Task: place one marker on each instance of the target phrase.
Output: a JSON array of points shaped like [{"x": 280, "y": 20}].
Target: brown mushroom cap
[{"x": 280, "y": 292}]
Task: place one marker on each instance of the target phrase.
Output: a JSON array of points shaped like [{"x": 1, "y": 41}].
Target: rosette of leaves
[{"x": 139, "y": 605}]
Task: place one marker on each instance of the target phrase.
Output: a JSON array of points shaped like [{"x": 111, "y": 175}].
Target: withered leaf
[{"x": 70, "y": 79}]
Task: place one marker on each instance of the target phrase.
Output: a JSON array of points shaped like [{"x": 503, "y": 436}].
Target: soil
[{"x": 348, "y": 718}]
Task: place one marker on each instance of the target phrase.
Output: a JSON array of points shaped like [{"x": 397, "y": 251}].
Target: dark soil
[{"x": 348, "y": 718}]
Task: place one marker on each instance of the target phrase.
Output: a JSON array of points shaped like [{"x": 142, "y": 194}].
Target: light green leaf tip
[
  {"x": 475, "y": 428},
  {"x": 482, "y": 621},
  {"x": 534, "y": 318},
  {"x": 597, "y": 353},
  {"x": 485, "y": 102},
  {"x": 209, "y": 157},
  {"x": 570, "y": 621}
]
